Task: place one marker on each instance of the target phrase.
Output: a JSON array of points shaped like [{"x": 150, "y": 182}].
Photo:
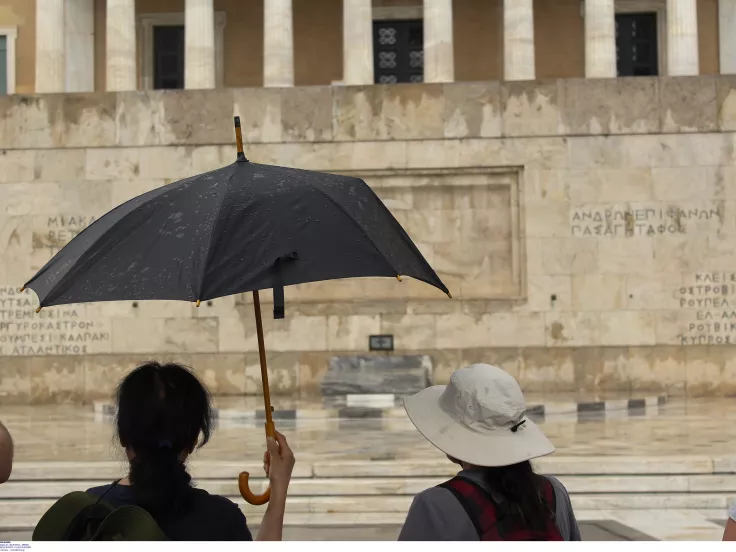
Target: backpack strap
[
  {"x": 550, "y": 496},
  {"x": 110, "y": 488},
  {"x": 477, "y": 503},
  {"x": 493, "y": 520}
]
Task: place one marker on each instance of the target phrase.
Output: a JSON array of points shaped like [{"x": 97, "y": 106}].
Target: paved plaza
[
  {"x": 696, "y": 427},
  {"x": 660, "y": 474}
]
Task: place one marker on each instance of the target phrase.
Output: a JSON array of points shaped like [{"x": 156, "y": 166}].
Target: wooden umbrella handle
[
  {"x": 245, "y": 492},
  {"x": 249, "y": 496}
]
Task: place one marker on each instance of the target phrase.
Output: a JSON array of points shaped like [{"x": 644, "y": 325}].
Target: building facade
[
  {"x": 120, "y": 45},
  {"x": 585, "y": 224}
]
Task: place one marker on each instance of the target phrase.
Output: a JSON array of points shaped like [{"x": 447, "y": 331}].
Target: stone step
[
  {"x": 400, "y": 504},
  {"x": 27, "y": 522},
  {"x": 306, "y": 467},
  {"x": 560, "y": 465},
  {"x": 613, "y": 484},
  {"x": 104, "y": 472}
]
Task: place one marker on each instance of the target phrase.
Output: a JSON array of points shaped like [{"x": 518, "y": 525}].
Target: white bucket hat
[{"x": 479, "y": 418}]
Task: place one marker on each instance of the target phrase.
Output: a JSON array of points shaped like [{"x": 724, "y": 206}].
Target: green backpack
[{"x": 80, "y": 516}]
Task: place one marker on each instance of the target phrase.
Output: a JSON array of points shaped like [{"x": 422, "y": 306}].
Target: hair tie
[
  {"x": 165, "y": 445},
  {"x": 516, "y": 427}
]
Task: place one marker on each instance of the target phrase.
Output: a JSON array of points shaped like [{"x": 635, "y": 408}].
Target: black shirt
[{"x": 208, "y": 518}]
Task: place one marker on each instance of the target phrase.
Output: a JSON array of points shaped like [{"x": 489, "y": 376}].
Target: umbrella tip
[
  {"x": 38, "y": 310},
  {"x": 398, "y": 277},
  {"x": 449, "y": 295},
  {"x": 22, "y": 289},
  {"x": 239, "y": 141},
  {"x": 198, "y": 302}
]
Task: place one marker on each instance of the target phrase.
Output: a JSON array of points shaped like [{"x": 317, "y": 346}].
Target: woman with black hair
[
  {"x": 479, "y": 421},
  {"x": 164, "y": 414}
]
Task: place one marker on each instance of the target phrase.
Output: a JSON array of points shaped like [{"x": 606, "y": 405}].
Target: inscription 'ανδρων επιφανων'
[{"x": 646, "y": 221}]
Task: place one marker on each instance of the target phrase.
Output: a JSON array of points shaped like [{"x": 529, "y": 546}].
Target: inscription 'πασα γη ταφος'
[
  {"x": 711, "y": 300},
  {"x": 62, "y": 330}
]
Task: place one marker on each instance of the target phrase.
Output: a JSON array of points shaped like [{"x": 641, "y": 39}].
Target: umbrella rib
[
  {"x": 212, "y": 234},
  {"x": 350, "y": 217}
]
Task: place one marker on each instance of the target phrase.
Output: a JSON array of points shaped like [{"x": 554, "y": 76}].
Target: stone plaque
[
  {"x": 464, "y": 221},
  {"x": 400, "y": 375}
]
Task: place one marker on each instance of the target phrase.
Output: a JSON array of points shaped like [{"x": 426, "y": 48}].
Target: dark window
[
  {"x": 636, "y": 45},
  {"x": 168, "y": 57},
  {"x": 3, "y": 64},
  {"x": 398, "y": 50}
]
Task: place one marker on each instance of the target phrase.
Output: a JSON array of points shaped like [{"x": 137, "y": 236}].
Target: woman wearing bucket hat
[{"x": 479, "y": 422}]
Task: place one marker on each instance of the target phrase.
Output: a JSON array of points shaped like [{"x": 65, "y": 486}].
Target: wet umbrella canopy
[
  {"x": 244, "y": 227},
  {"x": 240, "y": 228}
]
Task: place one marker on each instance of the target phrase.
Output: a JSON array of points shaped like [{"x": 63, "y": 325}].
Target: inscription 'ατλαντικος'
[{"x": 62, "y": 330}]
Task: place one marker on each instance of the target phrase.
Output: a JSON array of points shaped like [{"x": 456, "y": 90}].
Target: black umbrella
[{"x": 244, "y": 227}]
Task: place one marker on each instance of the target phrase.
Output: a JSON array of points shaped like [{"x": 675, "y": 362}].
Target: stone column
[
  {"x": 357, "y": 42},
  {"x": 600, "y": 39},
  {"x": 439, "y": 62},
  {"x": 199, "y": 28},
  {"x": 50, "y": 46},
  {"x": 278, "y": 43},
  {"x": 682, "y": 38},
  {"x": 518, "y": 40},
  {"x": 121, "y": 51},
  {"x": 80, "y": 45},
  {"x": 727, "y": 36}
]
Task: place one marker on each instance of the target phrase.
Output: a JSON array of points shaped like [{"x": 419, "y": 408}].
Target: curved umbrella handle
[{"x": 249, "y": 496}]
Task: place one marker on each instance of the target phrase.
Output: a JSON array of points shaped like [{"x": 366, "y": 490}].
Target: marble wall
[{"x": 586, "y": 229}]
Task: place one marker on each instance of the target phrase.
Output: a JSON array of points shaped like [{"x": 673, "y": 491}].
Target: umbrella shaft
[{"x": 262, "y": 356}]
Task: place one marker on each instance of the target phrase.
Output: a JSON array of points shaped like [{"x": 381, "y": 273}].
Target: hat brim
[{"x": 498, "y": 448}]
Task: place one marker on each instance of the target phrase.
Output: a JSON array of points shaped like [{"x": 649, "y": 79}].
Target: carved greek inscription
[
  {"x": 61, "y": 330},
  {"x": 645, "y": 221},
  {"x": 60, "y": 230},
  {"x": 711, "y": 299}
]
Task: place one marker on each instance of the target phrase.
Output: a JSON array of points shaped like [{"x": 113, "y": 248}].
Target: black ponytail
[
  {"x": 162, "y": 410},
  {"x": 523, "y": 493}
]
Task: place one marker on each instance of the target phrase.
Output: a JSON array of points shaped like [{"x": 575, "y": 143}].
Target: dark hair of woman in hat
[{"x": 164, "y": 414}]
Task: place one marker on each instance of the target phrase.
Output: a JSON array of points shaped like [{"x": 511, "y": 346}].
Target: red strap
[{"x": 489, "y": 522}]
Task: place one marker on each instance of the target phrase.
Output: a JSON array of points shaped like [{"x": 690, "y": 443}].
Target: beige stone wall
[
  {"x": 478, "y": 32},
  {"x": 585, "y": 228}
]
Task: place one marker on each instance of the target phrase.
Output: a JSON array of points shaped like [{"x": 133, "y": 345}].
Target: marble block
[
  {"x": 384, "y": 400},
  {"x": 402, "y": 375}
]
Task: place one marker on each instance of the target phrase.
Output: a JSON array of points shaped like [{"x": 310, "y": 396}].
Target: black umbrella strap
[
  {"x": 279, "y": 310},
  {"x": 278, "y": 303}
]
